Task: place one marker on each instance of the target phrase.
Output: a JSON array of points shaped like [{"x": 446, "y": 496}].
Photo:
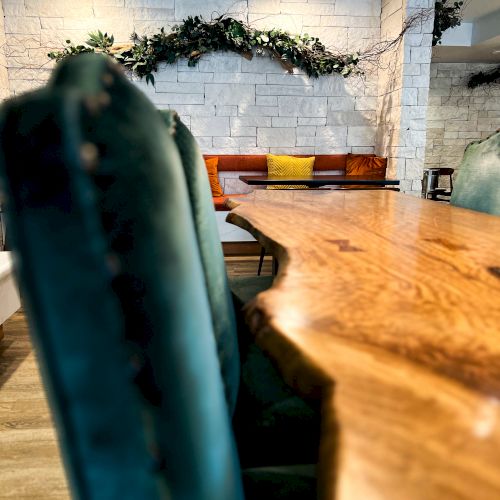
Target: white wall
[
  {"x": 4, "y": 77},
  {"x": 456, "y": 114},
  {"x": 232, "y": 105},
  {"x": 235, "y": 106},
  {"x": 403, "y": 93}
]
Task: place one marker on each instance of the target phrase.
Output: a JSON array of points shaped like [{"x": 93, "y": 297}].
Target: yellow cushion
[
  {"x": 213, "y": 176},
  {"x": 289, "y": 166}
]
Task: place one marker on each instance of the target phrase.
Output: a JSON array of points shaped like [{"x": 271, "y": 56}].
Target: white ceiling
[
  {"x": 478, "y": 8},
  {"x": 478, "y": 37}
]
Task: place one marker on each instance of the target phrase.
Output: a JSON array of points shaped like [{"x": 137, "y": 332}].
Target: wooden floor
[{"x": 30, "y": 465}]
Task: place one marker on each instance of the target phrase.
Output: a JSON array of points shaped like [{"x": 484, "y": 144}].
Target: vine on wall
[{"x": 195, "y": 37}]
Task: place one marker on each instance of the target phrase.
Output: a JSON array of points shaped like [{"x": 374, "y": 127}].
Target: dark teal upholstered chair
[
  {"x": 243, "y": 289},
  {"x": 99, "y": 216},
  {"x": 76, "y": 319},
  {"x": 478, "y": 182},
  {"x": 223, "y": 316},
  {"x": 274, "y": 426},
  {"x": 87, "y": 205}
]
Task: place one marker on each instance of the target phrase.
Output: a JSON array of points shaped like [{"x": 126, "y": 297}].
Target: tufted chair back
[{"x": 111, "y": 274}]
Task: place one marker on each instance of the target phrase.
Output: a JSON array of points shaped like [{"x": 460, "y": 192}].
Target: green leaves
[
  {"x": 446, "y": 15},
  {"x": 195, "y": 37},
  {"x": 100, "y": 41},
  {"x": 70, "y": 50}
]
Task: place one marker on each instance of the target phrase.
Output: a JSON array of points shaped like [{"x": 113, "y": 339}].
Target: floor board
[{"x": 30, "y": 464}]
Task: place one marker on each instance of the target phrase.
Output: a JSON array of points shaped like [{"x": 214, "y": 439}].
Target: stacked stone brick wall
[
  {"x": 403, "y": 93},
  {"x": 237, "y": 106},
  {"x": 457, "y": 115},
  {"x": 4, "y": 77},
  {"x": 232, "y": 105}
]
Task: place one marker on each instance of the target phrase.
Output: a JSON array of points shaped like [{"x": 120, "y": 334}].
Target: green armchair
[{"x": 478, "y": 182}]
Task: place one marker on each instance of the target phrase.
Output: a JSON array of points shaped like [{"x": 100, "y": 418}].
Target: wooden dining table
[{"x": 387, "y": 308}]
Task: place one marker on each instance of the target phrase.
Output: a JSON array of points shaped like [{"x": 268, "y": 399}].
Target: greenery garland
[
  {"x": 195, "y": 37},
  {"x": 482, "y": 78},
  {"x": 446, "y": 15}
]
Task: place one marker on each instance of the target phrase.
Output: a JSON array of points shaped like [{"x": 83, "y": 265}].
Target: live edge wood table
[
  {"x": 388, "y": 308},
  {"x": 318, "y": 180}
]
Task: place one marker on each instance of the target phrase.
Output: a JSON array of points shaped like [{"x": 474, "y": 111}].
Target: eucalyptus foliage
[
  {"x": 195, "y": 37},
  {"x": 446, "y": 15},
  {"x": 98, "y": 40}
]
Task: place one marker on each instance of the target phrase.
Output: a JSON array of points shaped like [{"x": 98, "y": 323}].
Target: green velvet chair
[
  {"x": 101, "y": 223},
  {"x": 76, "y": 320},
  {"x": 242, "y": 289},
  {"x": 273, "y": 425},
  {"x": 219, "y": 294},
  {"x": 478, "y": 182},
  {"x": 88, "y": 204}
]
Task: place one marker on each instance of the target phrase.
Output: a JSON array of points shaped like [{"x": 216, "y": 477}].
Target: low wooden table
[
  {"x": 388, "y": 307},
  {"x": 318, "y": 180}
]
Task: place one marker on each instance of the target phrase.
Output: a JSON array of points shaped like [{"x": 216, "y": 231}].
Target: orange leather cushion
[
  {"x": 365, "y": 165},
  {"x": 213, "y": 176}
]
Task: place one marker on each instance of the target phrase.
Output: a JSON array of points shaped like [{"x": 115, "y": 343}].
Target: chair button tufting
[
  {"x": 103, "y": 98},
  {"x": 89, "y": 155},
  {"x": 113, "y": 263},
  {"x": 136, "y": 362},
  {"x": 108, "y": 79},
  {"x": 96, "y": 102}
]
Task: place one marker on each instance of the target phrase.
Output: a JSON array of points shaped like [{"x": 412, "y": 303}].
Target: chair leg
[
  {"x": 275, "y": 266},
  {"x": 261, "y": 260}
]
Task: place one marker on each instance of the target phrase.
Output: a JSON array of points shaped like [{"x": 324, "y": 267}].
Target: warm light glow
[{"x": 486, "y": 420}]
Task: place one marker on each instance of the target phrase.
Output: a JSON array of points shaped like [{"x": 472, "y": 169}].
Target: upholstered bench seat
[{"x": 230, "y": 167}]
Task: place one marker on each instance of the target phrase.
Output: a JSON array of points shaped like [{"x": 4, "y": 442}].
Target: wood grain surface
[
  {"x": 30, "y": 464},
  {"x": 388, "y": 307}
]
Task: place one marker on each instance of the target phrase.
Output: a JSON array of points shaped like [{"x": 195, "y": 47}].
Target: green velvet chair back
[
  {"x": 99, "y": 198},
  {"x": 478, "y": 182},
  {"x": 76, "y": 320},
  {"x": 223, "y": 317}
]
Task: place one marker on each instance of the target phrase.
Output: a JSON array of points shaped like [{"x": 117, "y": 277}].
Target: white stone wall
[
  {"x": 457, "y": 115},
  {"x": 4, "y": 77},
  {"x": 232, "y": 105},
  {"x": 235, "y": 106},
  {"x": 403, "y": 93}
]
